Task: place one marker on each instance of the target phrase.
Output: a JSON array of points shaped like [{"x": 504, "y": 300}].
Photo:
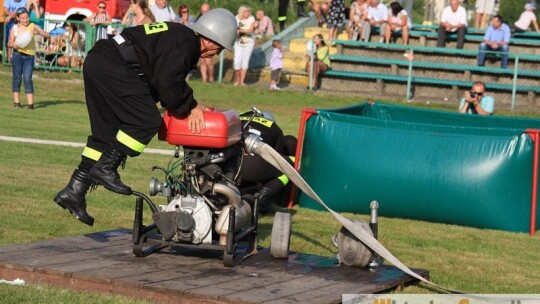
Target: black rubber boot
[
  {"x": 267, "y": 196},
  {"x": 281, "y": 26},
  {"x": 105, "y": 171},
  {"x": 73, "y": 197}
]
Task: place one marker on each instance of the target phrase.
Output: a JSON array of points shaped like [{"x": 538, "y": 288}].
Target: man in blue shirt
[
  {"x": 476, "y": 101},
  {"x": 10, "y": 7},
  {"x": 497, "y": 38}
]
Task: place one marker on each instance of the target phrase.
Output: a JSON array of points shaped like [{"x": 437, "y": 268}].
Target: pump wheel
[{"x": 281, "y": 235}]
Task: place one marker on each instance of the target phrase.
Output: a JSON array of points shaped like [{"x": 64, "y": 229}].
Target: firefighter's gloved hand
[{"x": 196, "y": 119}]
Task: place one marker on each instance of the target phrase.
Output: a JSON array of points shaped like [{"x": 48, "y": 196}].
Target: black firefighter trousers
[{"x": 123, "y": 114}]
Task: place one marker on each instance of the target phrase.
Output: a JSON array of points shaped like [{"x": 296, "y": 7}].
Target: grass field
[{"x": 467, "y": 259}]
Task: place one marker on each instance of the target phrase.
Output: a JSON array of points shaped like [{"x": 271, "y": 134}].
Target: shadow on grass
[
  {"x": 47, "y": 103},
  {"x": 312, "y": 241}
]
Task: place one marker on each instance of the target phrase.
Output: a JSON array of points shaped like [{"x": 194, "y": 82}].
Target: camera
[{"x": 472, "y": 94}]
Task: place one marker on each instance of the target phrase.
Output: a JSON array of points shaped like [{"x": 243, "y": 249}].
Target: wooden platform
[{"x": 104, "y": 262}]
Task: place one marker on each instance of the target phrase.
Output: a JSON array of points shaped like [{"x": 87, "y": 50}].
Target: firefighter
[
  {"x": 124, "y": 77},
  {"x": 282, "y": 11},
  {"x": 256, "y": 174}
]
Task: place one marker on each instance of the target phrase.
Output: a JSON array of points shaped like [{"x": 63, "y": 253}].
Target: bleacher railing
[{"x": 410, "y": 67}]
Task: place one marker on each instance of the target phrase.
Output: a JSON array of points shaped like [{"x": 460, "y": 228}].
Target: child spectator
[
  {"x": 525, "y": 20},
  {"x": 21, "y": 40},
  {"x": 276, "y": 64}
]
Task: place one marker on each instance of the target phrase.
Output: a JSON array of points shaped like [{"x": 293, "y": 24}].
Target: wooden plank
[{"x": 105, "y": 262}]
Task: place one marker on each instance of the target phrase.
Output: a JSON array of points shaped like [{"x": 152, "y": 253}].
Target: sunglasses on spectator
[
  {"x": 477, "y": 93},
  {"x": 102, "y": 7},
  {"x": 21, "y": 10},
  {"x": 185, "y": 12}
]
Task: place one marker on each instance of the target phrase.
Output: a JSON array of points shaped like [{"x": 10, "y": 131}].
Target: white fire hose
[{"x": 254, "y": 145}]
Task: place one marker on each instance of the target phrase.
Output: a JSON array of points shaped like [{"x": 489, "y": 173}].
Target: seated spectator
[
  {"x": 183, "y": 15},
  {"x": 72, "y": 57},
  {"x": 357, "y": 16},
  {"x": 476, "y": 102},
  {"x": 484, "y": 8},
  {"x": 162, "y": 11},
  {"x": 100, "y": 19},
  {"x": 263, "y": 25},
  {"x": 398, "y": 21},
  {"x": 321, "y": 60},
  {"x": 525, "y": 20},
  {"x": 497, "y": 38},
  {"x": 320, "y": 8},
  {"x": 377, "y": 17},
  {"x": 453, "y": 20}
]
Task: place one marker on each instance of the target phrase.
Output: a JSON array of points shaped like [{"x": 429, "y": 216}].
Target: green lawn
[{"x": 467, "y": 259}]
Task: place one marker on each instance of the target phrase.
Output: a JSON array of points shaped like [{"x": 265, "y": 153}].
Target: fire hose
[{"x": 254, "y": 145}]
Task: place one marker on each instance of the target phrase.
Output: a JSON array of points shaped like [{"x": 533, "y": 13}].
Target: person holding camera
[{"x": 476, "y": 102}]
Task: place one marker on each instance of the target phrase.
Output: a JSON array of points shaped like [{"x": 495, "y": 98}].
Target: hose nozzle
[{"x": 253, "y": 144}]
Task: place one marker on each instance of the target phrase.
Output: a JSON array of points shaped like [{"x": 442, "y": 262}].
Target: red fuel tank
[{"x": 223, "y": 128}]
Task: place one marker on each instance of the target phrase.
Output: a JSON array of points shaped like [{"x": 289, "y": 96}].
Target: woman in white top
[
  {"x": 138, "y": 13},
  {"x": 99, "y": 20},
  {"x": 243, "y": 47},
  {"x": 357, "y": 16},
  {"x": 398, "y": 20},
  {"x": 525, "y": 20}
]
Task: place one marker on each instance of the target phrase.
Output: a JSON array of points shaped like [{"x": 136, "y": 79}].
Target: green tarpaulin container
[{"x": 422, "y": 164}]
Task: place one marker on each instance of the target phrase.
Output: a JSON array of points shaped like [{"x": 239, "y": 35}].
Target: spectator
[
  {"x": 398, "y": 21},
  {"x": 320, "y": 8},
  {"x": 476, "y": 102},
  {"x": 205, "y": 7},
  {"x": 377, "y": 17},
  {"x": 206, "y": 66},
  {"x": 183, "y": 15},
  {"x": 263, "y": 25},
  {"x": 99, "y": 19},
  {"x": 1, "y": 28},
  {"x": 357, "y": 16},
  {"x": 484, "y": 8},
  {"x": 408, "y": 6},
  {"x": 336, "y": 18},
  {"x": 36, "y": 13},
  {"x": 10, "y": 7},
  {"x": 453, "y": 20},
  {"x": 72, "y": 55},
  {"x": 497, "y": 38},
  {"x": 162, "y": 11},
  {"x": 276, "y": 64},
  {"x": 244, "y": 44},
  {"x": 321, "y": 60},
  {"x": 138, "y": 13},
  {"x": 525, "y": 20},
  {"x": 21, "y": 39}
]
